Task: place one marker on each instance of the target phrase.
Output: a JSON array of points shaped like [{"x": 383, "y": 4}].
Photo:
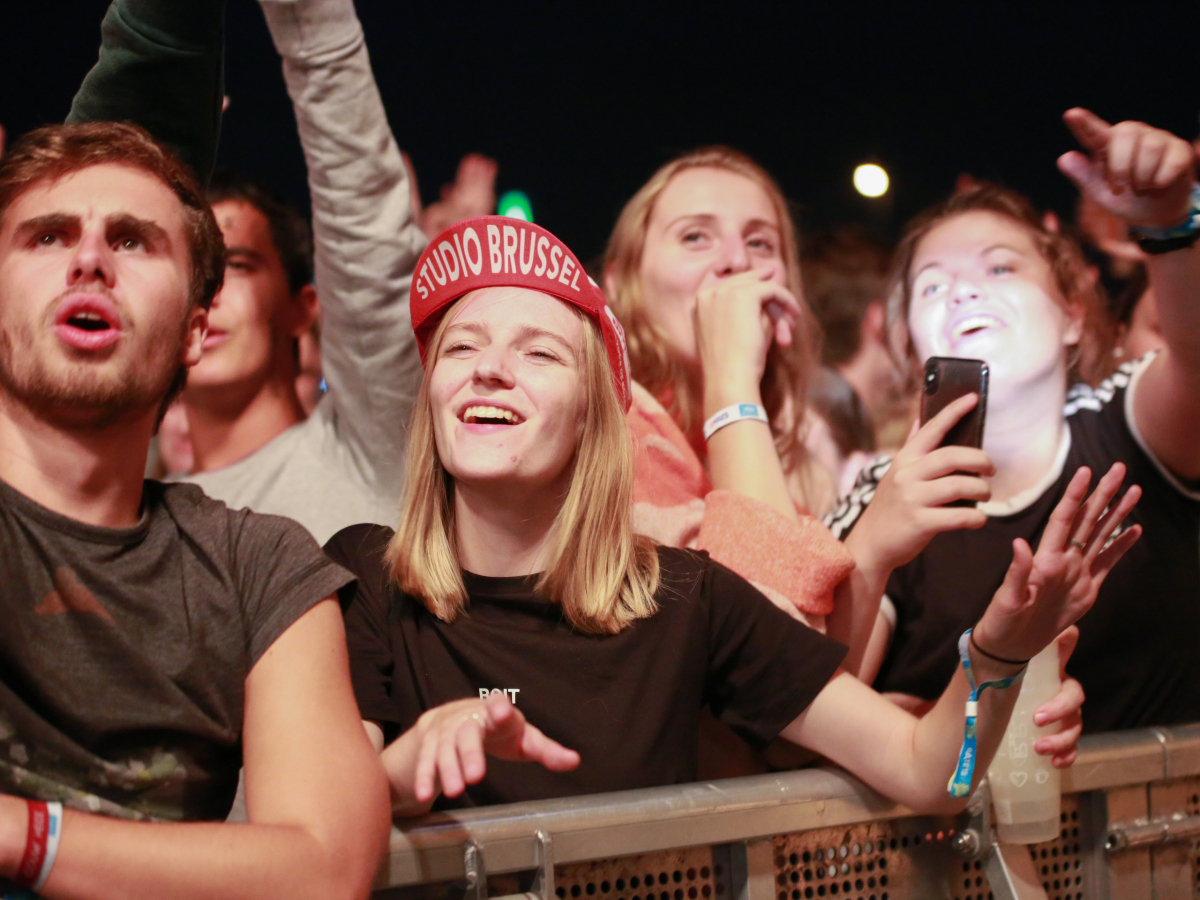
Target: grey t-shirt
[
  {"x": 314, "y": 474},
  {"x": 124, "y": 651}
]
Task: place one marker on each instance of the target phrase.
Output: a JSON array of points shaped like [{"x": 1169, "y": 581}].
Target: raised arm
[
  {"x": 160, "y": 67},
  {"x": 910, "y": 759},
  {"x": 737, "y": 320},
  {"x": 367, "y": 240},
  {"x": 317, "y": 802},
  {"x": 1145, "y": 176}
]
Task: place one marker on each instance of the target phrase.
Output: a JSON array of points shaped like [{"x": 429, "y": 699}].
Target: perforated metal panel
[
  {"x": 910, "y": 860},
  {"x": 873, "y": 861},
  {"x": 673, "y": 875},
  {"x": 1060, "y": 862},
  {"x": 1193, "y": 809}
]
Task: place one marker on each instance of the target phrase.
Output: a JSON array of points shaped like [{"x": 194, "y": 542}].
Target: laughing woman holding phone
[
  {"x": 980, "y": 276},
  {"x": 515, "y": 617}
]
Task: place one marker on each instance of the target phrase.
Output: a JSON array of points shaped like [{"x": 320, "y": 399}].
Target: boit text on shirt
[{"x": 484, "y": 693}]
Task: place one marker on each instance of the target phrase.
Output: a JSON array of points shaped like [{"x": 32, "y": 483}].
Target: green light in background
[{"x": 516, "y": 205}]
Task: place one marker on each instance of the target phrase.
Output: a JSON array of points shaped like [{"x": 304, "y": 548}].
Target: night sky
[{"x": 580, "y": 102}]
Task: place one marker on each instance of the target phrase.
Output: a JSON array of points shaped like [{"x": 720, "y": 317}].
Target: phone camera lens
[{"x": 931, "y": 382}]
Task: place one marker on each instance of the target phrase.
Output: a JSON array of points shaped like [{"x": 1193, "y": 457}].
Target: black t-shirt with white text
[
  {"x": 629, "y": 703},
  {"x": 124, "y": 651},
  {"x": 1136, "y": 657}
]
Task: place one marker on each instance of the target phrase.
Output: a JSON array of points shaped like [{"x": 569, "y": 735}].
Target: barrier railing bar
[
  {"x": 625, "y": 822},
  {"x": 1117, "y": 759},
  {"x": 1182, "y": 750},
  {"x": 725, "y": 812}
]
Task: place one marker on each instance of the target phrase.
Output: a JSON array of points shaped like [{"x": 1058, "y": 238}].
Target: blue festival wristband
[{"x": 964, "y": 772}]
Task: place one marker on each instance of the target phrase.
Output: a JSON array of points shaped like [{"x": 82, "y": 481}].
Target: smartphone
[{"x": 946, "y": 379}]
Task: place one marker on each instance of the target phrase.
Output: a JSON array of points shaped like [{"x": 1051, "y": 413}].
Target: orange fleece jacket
[{"x": 796, "y": 563}]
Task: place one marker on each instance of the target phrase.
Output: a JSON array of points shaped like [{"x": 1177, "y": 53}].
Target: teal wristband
[
  {"x": 1175, "y": 236},
  {"x": 964, "y": 772}
]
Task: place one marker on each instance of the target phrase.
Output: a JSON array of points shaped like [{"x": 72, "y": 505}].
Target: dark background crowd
[{"x": 571, "y": 101}]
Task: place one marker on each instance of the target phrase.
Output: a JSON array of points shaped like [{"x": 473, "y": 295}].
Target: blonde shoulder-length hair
[
  {"x": 602, "y": 575},
  {"x": 653, "y": 362}
]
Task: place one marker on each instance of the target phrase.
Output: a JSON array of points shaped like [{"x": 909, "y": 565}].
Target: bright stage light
[{"x": 870, "y": 180}]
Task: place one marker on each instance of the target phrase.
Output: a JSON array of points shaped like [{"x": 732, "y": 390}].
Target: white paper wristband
[{"x": 735, "y": 413}]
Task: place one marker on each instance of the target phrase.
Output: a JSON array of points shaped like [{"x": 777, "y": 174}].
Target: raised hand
[
  {"x": 736, "y": 320},
  {"x": 909, "y": 505},
  {"x": 1142, "y": 174},
  {"x": 473, "y": 193},
  {"x": 1043, "y": 594},
  {"x": 455, "y": 739}
]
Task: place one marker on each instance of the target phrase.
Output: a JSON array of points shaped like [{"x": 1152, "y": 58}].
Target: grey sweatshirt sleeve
[
  {"x": 160, "y": 67},
  {"x": 366, "y": 239}
]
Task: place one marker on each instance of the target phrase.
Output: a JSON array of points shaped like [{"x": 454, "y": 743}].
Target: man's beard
[{"x": 88, "y": 392}]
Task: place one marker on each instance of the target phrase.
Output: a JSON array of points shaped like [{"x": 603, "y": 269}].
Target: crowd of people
[{"x": 438, "y": 520}]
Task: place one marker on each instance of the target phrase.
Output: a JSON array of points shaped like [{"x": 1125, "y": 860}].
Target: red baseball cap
[{"x": 499, "y": 251}]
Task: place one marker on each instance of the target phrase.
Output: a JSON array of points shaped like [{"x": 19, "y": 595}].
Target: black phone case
[{"x": 946, "y": 379}]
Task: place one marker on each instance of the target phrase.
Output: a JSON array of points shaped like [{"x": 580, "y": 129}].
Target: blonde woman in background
[{"x": 703, "y": 271}]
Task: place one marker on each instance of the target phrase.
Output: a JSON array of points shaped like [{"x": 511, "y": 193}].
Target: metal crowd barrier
[{"x": 1130, "y": 830}]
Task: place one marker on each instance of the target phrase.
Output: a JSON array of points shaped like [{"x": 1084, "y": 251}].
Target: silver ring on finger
[{"x": 1078, "y": 544}]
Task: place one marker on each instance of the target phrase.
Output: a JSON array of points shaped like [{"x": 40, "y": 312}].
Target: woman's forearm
[
  {"x": 742, "y": 457},
  {"x": 856, "y": 607},
  {"x": 937, "y": 737}
]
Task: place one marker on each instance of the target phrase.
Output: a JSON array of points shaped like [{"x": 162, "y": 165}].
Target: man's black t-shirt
[
  {"x": 1136, "y": 657},
  {"x": 124, "y": 651},
  {"x": 629, "y": 703}
]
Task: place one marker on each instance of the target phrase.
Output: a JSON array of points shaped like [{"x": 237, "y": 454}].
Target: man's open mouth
[{"x": 88, "y": 323}]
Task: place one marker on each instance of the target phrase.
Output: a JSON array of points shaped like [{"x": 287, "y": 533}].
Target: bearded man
[{"x": 153, "y": 638}]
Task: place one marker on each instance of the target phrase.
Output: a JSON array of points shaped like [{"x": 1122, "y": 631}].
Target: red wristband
[{"x": 36, "y": 841}]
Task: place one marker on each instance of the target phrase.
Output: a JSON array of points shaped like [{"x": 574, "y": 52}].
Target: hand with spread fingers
[
  {"x": 737, "y": 319},
  {"x": 910, "y": 503},
  {"x": 1142, "y": 174},
  {"x": 454, "y": 739},
  {"x": 1046, "y": 592}
]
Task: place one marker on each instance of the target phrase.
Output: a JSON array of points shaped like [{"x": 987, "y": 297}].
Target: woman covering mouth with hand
[
  {"x": 703, "y": 270},
  {"x": 515, "y": 617}
]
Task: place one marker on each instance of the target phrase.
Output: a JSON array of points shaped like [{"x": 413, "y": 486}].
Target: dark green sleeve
[{"x": 160, "y": 67}]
